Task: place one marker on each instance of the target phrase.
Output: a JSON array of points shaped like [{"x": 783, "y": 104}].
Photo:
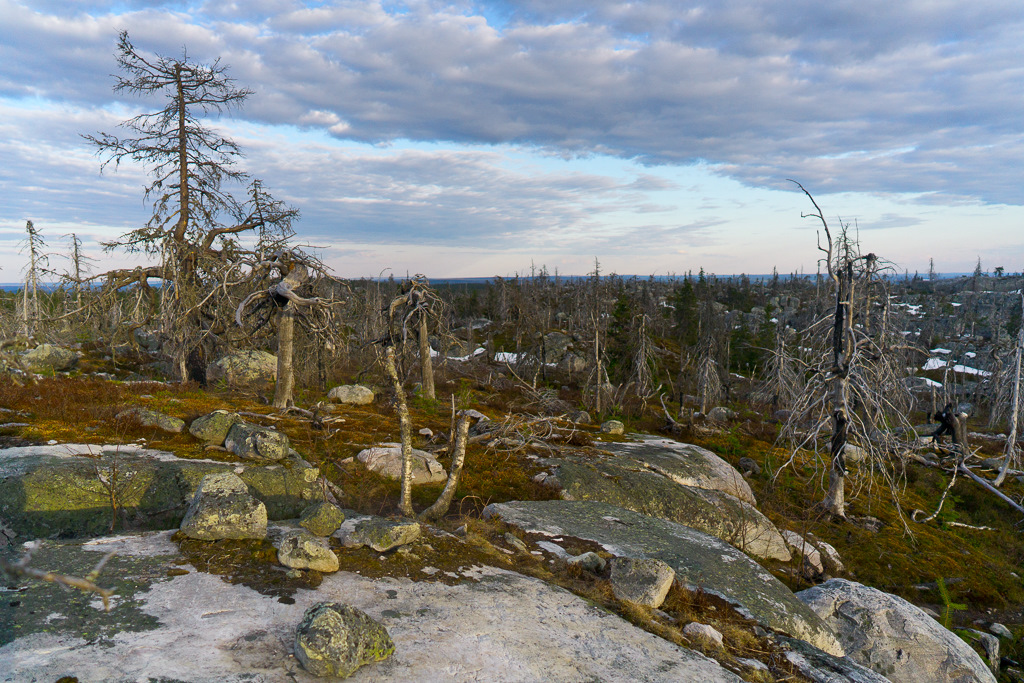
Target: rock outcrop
[
  {"x": 152, "y": 418},
  {"x": 223, "y": 508},
  {"x": 47, "y": 359},
  {"x": 213, "y": 427},
  {"x": 386, "y": 460},
  {"x": 260, "y": 444}
]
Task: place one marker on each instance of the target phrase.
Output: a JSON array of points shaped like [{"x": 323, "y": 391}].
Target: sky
[{"x": 475, "y": 138}]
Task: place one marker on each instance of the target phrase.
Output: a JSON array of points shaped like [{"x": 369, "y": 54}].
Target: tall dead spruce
[
  {"x": 854, "y": 388},
  {"x": 193, "y": 232}
]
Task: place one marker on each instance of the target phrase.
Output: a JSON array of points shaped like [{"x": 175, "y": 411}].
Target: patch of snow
[
  {"x": 507, "y": 357},
  {"x": 970, "y": 354},
  {"x": 933, "y": 364},
  {"x": 941, "y": 350},
  {"x": 971, "y": 371}
]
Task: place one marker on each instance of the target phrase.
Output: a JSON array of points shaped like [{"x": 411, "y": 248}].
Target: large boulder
[
  {"x": 334, "y": 639},
  {"x": 700, "y": 561},
  {"x": 821, "y": 667},
  {"x": 194, "y": 626},
  {"x": 555, "y": 344},
  {"x": 378, "y": 533},
  {"x": 352, "y": 394},
  {"x": 57, "y": 491},
  {"x": 322, "y": 518},
  {"x": 386, "y": 460},
  {"x": 47, "y": 358},
  {"x": 223, "y": 508},
  {"x": 152, "y": 418},
  {"x": 651, "y": 493},
  {"x": 893, "y": 637},
  {"x": 213, "y": 427},
  {"x": 643, "y": 580},
  {"x": 243, "y": 367},
  {"x": 261, "y": 444}
]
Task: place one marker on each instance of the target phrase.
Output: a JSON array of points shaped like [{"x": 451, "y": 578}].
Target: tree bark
[
  {"x": 444, "y": 501},
  {"x": 405, "y": 429},
  {"x": 285, "y": 385},
  {"x": 426, "y": 364}
]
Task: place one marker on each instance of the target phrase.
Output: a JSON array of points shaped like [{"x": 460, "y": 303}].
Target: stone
[
  {"x": 721, "y": 414},
  {"x": 704, "y": 632},
  {"x": 352, "y": 394},
  {"x": 580, "y": 417},
  {"x": 590, "y": 561},
  {"x": 223, "y": 508},
  {"x": 643, "y": 580},
  {"x": 334, "y": 639},
  {"x": 893, "y": 637},
  {"x": 572, "y": 364},
  {"x": 1000, "y": 630},
  {"x": 54, "y": 490},
  {"x": 386, "y": 460},
  {"x": 556, "y": 345},
  {"x": 47, "y": 358},
  {"x": 261, "y": 444},
  {"x": 811, "y": 564},
  {"x": 830, "y": 558},
  {"x": 822, "y": 667},
  {"x": 303, "y": 550},
  {"x": 243, "y": 368},
  {"x": 213, "y": 427},
  {"x": 700, "y": 561},
  {"x": 517, "y": 543},
  {"x": 152, "y": 418},
  {"x": 493, "y": 625},
  {"x": 613, "y": 427},
  {"x": 650, "y": 493},
  {"x": 749, "y": 466},
  {"x": 378, "y": 533},
  {"x": 853, "y": 453},
  {"x": 322, "y": 518},
  {"x": 989, "y": 644}
]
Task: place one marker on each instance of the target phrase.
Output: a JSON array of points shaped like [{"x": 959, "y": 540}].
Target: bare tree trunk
[
  {"x": 444, "y": 501},
  {"x": 1012, "y": 455},
  {"x": 426, "y": 364},
  {"x": 405, "y": 429},
  {"x": 285, "y": 385}
]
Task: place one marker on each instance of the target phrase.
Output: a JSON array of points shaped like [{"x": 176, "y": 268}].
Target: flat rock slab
[
  {"x": 196, "y": 628},
  {"x": 701, "y": 561},
  {"x": 626, "y": 484},
  {"x": 55, "y": 491},
  {"x": 683, "y": 463}
]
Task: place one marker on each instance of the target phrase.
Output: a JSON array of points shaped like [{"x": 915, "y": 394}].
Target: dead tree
[{"x": 1012, "y": 453}]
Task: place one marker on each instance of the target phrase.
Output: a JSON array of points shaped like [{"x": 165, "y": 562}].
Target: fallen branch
[
  {"x": 999, "y": 494},
  {"x": 88, "y": 583}
]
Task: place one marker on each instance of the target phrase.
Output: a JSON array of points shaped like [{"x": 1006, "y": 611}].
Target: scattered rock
[
  {"x": 223, "y": 508},
  {"x": 830, "y": 558},
  {"x": 47, "y": 358},
  {"x": 823, "y": 667},
  {"x": 152, "y": 418},
  {"x": 213, "y": 427},
  {"x": 303, "y": 550},
  {"x": 749, "y": 466},
  {"x": 572, "y": 363},
  {"x": 643, "y": 580},
  {"x": 853, "y": 453},
  {"x": 990, "y": 644},
  {"x": 721, "y": 414},
  {"x": 335, "y": 639},
  {"x": 613, "y": 427},
  {"x": 556, "y": 344},
  {"x": 580, "y": 417},
  {"x": 893, "y": 637},
  {"x": 386, "y": 460},
  {"x": 1000, "y": 630},
  {"x": 352, "y": 394},
  {"x": 322, "y": 518},
  {"x": 590, "y": 561},
  {"x": 517, "y": 543},
  {"x": 703, "y": 632},
  {"x": 243, "y": 367},
  {"x": 376, "y": 532},
  {"x": 801, "y": 547},
  {"x": 262, "y": 444}
]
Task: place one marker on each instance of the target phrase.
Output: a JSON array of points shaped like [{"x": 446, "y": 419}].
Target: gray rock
[
  {"x": 830, "y": 558},
  {"x": 811, "y": 563},
  {"x": 590, "y": 561},
  {"x": 893, "y": 637},
  {"x": 352, "y": 394},
  {"x": 1000, "y": 630},
  {"x": 650, "y": 493},
  {"x": 322, "y": 518},
  {"x": 223, "y": 508},
  {"x": 990, "y": 645},
  {"x": 213, "y": 427},
  {"x": 643, "y": 580},
  {"x": 261, "y": 444},
  {"x": 243, "y": 367},
  {"x": 556, "y": 344},
  {"x": 704, "y": 632},
  {"x": 721, "y": 414},
  {"x": 303, "y": 550},
  {"x": 854, "y": 454},
  {"x": 580, "y": 417},
  {"x": 152, "y": 418},
  {"x": 386, "y": 460},
  {"x": 572, "y": 363},
  {"x": 613, "y": 427},
  {"x": 335, "y": 639},
  {"x": 47, "y": 358},
  {"x": 822, "y": 667},
  {"x": 376, "y": 532},
  {"x": 699, "y": 560},
  {"x": 198, "y": 628},
  {"x": 749, "y": 466}
]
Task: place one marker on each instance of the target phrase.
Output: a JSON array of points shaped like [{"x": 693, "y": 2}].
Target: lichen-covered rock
[
  {"x": 322, "y": 518},
  {"x": 334, "y": 639},
  {"x": 613, "y": 427},
  {"x": 589, "y": 560},
  {"x": 352, "y": 394},
  {"x": 152, "y": 418},
  {"x": 303, "y": 550},
  {"x": 386, "y": 460},
  {"x": 243, "y": 367},
  {"x": 704, "y": 632},
  {"x": 811, "y": 564},
  {"x": 213, "y": 427},
  {"x": 893, "y": 637},
  {"x": 49, "y": 358},
  {"x": 822, "y": 667},
  {"x": 223, "y": 508},
  {"x": 376, "y": 532},
  {"x": 643, "y": 580},
  {"x": 699, "y": 560},
  {"x": 251, "y": 442}
]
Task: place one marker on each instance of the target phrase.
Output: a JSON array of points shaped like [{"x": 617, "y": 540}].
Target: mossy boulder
[
  {"x": 322, "y": 518},
  {"x": 352, "y": 394},
  {"x": 335, "y": 639},
  {"x": 213, "y": 427},
  {"x": 153, "y": 418},
  {"x": 223, "y": 508},
  {"x": 47, "y": 358},
  {"x": 243, "y": 368},
  {"x": 378, "y": 533},
  {"x": 252, "y": 442},
  {"x": 303, "y": 550}
]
